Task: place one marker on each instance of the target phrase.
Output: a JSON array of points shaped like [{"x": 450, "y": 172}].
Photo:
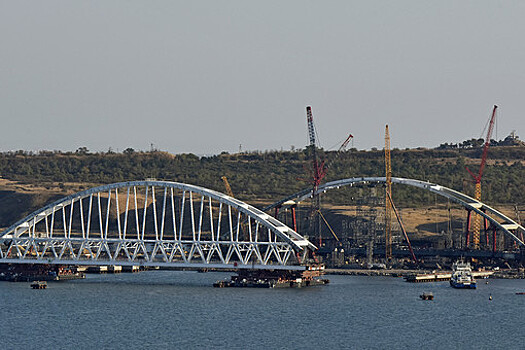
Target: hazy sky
[{"x": 206, "y": 76}]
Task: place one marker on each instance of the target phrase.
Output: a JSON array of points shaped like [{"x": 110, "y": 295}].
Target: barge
[
  {"x": 433, "y": 277},
  {"x": 442, "y": 276},
  {"x": 38, "y": 272},
  {"x": 275, "y": 279}
]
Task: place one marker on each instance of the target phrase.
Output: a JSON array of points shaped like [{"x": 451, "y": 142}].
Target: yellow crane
[
  {"x": 388, "y": 204},
  {"x": 229, "y": 191},
  {"x": 477, "y": 181},
  {"x": 244, "y": 228},
  {"x": 329, "y": 227}
]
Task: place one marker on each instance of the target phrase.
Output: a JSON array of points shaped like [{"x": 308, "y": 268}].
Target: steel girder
[
  {"x": 508, "y": 226},
  {"x": 152, "y": 223}
]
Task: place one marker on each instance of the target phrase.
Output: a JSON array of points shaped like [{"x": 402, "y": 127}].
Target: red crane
[
  {"x": 318, "y": 165},
  {"x": 345, "y": 143},
  {"x": 477, "y": 178},
  {"x": 319, "y": 172},
  {"x": 319, "y": 169}
]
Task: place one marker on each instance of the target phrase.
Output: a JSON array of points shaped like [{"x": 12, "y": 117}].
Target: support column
[
  {"x": 485, "y": 228},
  {"x": 469, "y": 220},
  {"x": 294, "y": 219},
  {"x": 494, "y": 240}
]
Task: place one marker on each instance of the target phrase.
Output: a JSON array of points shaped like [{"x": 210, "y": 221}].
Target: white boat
[{"x": 462, "y": 275}]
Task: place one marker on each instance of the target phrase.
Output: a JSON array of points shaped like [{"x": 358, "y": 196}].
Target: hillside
[{"x": 31, "y": 180}]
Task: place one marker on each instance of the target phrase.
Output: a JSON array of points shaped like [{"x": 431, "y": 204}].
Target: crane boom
[
  {"x": 487, "y": 143},
  {"x": 311, "y": 128},
  {"x": 345, "y": 143},
  {"x": 319, "y": 172},
  {"x": 402, "y": 227},
  {"x": 244, "y": 229},
  {"x": 229, "y": 191},
  {"x": 477, "y": 178},
  {"x": 329, "y": 227},
  {"x": 319, "y": 168}
]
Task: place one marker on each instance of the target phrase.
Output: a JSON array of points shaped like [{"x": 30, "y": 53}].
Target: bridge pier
[{"x": 469, "y": 222}]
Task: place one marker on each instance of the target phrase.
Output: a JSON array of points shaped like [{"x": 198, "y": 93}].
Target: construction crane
[
  {"x": 243, "y": 225},
  {"x": 227, "y": 186},
  {"x": 345, "y": 143},
  {"x": 319, "y": 168},
  {"x": 477, "y": 179},
  {"x": 390, "y": 206},
  {"x": 388, "y": 193},
  {"x": 318, "y": 165},
  {"x": 319, "y": 172}
]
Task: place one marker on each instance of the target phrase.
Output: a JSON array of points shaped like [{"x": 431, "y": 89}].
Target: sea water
[{"x": 181, "y": 310}]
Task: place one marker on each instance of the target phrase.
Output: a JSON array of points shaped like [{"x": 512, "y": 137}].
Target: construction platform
[
  {"x": 274, "y": 279},
  {"x": 38, "y": 272}
]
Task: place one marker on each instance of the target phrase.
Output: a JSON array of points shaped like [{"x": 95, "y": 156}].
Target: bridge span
[
  {"x": 171, "y": 224},
  {"x": 496, "y": 219},
  {"x": 154, "y": 223}
]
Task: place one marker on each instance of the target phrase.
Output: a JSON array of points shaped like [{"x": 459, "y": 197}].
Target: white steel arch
[
  {"x": 153, "y": 223},
  {"x": 508, "y": 226}
]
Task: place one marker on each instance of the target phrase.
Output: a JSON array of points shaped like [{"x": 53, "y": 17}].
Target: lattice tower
[{"x": 388, "y": 189}]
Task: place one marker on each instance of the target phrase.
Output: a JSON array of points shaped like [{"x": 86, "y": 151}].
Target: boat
[
  {"x": 462, "y": 275},
  {"x": 427, "y": 296},
  {"x": 39, "y": 285}
]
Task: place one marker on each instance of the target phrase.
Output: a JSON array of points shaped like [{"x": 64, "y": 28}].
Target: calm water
[{"x": 166, "y": 309}]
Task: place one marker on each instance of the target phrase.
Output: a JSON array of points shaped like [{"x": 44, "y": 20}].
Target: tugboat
[
  {"x": 427, "y": 296},
  {"x": 39, "y": 285},
  {"x": 462, "y": 276}
]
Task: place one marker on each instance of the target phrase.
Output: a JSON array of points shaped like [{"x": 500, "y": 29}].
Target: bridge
[
  {"x": 154, "y": 223},
  {"x": 495, "y": 219},
  {"x": 171, "y": 224}
]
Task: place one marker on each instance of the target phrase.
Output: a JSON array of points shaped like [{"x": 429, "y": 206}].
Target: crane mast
[
  {"x": 319, "y": 172},
  {"x": 311, "y": 128},
  {"x": 319, "y": 168},
  {"x": 388, "y": 194},
  {"x": 477, "y": 179}
]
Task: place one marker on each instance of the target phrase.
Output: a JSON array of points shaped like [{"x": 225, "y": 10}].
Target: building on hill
[{"x": 512, "y": 140}]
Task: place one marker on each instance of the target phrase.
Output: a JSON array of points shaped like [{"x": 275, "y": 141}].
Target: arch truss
[
  {"x": 497, "y": 219},
  {"x": 153, "y": 223}
]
